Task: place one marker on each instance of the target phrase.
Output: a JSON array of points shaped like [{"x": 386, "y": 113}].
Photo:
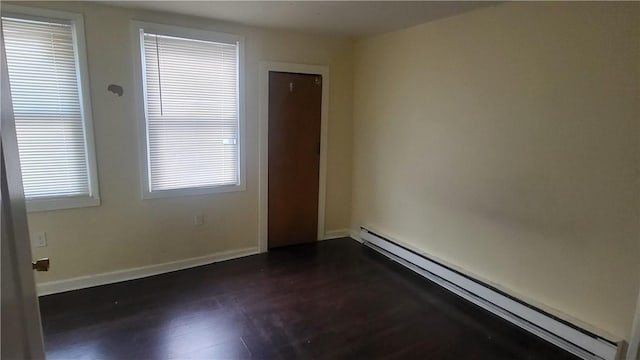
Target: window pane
[
  {"x": 192, "y": 112},
  {"x": 46, "y": 103}
]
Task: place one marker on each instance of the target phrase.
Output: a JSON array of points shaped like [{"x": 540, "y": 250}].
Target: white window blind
[
  {"x": 43, "y": 74},
  {"x": 191, "y": 94}
]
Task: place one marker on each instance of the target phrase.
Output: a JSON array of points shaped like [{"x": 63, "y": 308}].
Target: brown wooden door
[{"x": 294, "y": 157}]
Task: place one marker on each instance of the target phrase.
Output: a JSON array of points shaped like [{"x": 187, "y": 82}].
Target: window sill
[
  {"x": 38, "y": 205},
  {"x": 146, "y": 195}
]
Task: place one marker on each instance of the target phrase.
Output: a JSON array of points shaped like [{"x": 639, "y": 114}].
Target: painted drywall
[
  {"x": 128, "y": 232},
  {"x": 504, "y": 141}
]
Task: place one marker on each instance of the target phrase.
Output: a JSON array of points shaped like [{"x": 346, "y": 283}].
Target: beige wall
[
  {"x": 125, "y": 231},
  {"x": 504, "y": 141}
]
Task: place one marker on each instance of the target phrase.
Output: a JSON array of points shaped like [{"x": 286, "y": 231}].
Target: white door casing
[{"x": 20, "y": 317}]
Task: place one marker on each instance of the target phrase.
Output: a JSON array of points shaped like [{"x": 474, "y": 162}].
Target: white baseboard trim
[
  {"x": 336, "y": 234},
  {"x": 53, "y": 287},
  {"x": 568, "y": 336},
  {"x": 355, "y": 235}
]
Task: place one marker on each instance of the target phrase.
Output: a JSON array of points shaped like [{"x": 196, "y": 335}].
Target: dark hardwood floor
[{"x": 331, "y": 300}]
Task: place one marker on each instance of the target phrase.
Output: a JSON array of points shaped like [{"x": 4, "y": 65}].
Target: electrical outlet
[
  {"x": 39, "y": 239},
  {"x": 198, "y": 220}
]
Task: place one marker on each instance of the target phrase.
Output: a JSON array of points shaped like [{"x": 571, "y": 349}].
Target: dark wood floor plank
[{"x": 329, "y": 300}]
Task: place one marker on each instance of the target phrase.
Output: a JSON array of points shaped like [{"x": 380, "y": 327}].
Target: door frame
[
  {"x": 23, "y": 298},
  {"x": 263, "y": 142}
]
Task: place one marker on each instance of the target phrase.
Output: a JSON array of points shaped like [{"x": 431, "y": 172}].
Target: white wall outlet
[
  {"x": 39, "y": 239},
  {"x": 198, "y": 220}
]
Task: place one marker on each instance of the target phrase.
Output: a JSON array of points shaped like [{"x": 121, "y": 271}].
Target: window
[
  {"x": 191, "y": 87},
  {"x": 51, "y": 108}
]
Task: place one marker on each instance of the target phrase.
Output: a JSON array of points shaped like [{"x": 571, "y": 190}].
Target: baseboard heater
[{"x": 570, "y": 337}]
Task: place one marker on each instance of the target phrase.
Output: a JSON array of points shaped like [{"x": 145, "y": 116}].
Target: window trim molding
[
  {"x": 141, "y": 107},
  {"x": 82, "y": 72}
]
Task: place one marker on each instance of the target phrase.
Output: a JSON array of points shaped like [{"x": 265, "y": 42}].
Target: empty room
[{"x": 320, "y": 180}]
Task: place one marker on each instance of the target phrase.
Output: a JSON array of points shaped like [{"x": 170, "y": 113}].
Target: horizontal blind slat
[
  {"x": 43, "y": 77},
  {"x": 192, "y": 107}
]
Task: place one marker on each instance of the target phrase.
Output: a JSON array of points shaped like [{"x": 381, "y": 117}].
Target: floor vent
[{"x": 568, "y": 336}]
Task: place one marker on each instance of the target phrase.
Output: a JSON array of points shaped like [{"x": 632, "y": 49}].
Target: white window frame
[
  {"x": 196, "y": 34},
  {"x": 79, "y": 44}
]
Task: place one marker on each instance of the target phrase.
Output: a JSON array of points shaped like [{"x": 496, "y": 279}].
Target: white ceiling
[{"x": 352, "y": 18}]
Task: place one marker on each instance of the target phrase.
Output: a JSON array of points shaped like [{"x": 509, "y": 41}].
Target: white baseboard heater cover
[{"x": 567, "y": 336}]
